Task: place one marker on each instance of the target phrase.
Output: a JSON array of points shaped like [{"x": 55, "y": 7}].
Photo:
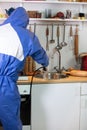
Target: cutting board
[{"x": 79, "y": 73}]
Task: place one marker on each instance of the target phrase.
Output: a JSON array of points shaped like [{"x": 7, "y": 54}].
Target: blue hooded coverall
[{"x": 16, "y": 43}]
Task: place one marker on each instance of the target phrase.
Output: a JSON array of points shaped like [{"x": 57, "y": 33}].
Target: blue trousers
[{"x": 10, "y": 112}]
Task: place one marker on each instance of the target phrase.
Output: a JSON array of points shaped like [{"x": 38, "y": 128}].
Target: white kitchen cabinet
[
  {"x": 83, "y": 114},
  {"x": 56, "y": 106}
]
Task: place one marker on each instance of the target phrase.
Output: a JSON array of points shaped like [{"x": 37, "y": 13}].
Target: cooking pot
[{"x": 83, "y": 59}]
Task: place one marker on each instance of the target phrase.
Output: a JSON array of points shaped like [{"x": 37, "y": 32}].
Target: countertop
[{"x": 70, "y": 79}]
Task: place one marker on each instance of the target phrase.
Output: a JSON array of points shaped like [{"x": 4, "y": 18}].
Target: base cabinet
[
  {"x": 83, "y": 119},
  {"x": 83, "y": 113},
  {"x": 56, "y": 106}
]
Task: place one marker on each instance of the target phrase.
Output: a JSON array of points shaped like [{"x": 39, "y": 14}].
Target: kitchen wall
[{"x": 67, "y": 52}]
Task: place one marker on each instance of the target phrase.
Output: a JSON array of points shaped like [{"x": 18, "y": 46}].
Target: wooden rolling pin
[
  {"x": 79, "y": 73},
  {"x": 76, "y": 43}
]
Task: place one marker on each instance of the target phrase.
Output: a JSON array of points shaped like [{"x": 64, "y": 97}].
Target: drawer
[{"x": 24, "y": 89}]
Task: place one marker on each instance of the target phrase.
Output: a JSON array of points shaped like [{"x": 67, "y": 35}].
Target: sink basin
[{"x": 51, "y": 75}]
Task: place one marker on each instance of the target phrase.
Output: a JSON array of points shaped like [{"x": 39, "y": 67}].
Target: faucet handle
[
  {"x": 63, "y": 69},
  {"x": 57, "y": 70}
]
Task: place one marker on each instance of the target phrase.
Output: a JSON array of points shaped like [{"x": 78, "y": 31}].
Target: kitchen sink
[{"x": 51, "y": 75}]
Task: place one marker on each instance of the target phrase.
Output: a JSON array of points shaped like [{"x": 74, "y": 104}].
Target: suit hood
[{"x": 18, "y": 17}]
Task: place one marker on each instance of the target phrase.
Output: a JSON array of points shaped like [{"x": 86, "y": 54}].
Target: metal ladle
[
  {"x": 58, "y": 47},
  {"x": 52, "y": 40},
  {"x": 34, "y": 28},
  {"x": 63, "y": 43}
]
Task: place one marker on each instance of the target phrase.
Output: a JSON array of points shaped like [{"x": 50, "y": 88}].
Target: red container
[{"x": 84, "y": 63}]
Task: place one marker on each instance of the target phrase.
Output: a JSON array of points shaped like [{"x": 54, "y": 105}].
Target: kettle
[{"x": 9, "y": 11}]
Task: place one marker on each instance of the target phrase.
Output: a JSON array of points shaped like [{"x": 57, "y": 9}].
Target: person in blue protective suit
[{"x": 16, "y": 43}]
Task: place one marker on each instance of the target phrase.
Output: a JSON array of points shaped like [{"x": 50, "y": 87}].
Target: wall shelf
[
  {"x": 52, "y": 20},
  {"x": 44, "y": 2}
]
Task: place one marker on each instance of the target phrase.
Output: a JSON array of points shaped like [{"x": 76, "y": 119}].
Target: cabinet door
[
  {"x": 83, "y": 116},
  {"x": 55, "y": 106}
]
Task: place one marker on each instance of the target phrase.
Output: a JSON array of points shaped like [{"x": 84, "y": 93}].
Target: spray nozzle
[{"x": 44, "y": 68}]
